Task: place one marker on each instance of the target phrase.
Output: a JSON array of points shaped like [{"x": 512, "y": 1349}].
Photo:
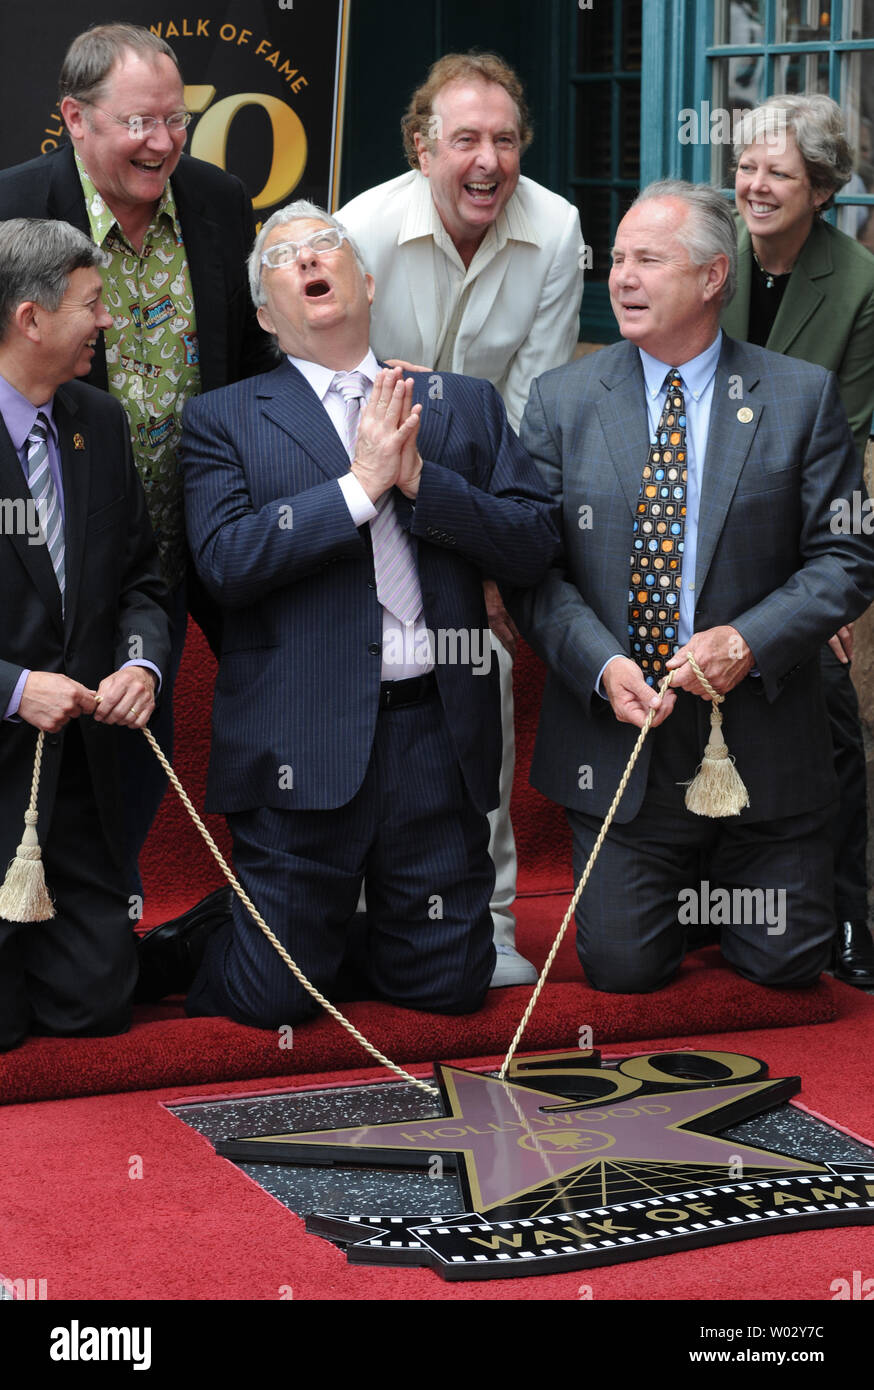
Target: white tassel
[
  {"x": 23, "y": 895},
  {"x": 717, "y": 789}
]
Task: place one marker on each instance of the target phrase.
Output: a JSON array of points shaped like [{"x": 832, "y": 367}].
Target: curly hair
[{"x": 461, "y": 67}]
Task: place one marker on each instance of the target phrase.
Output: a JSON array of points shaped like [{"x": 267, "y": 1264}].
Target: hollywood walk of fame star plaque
[{"x": 568, "y": 1164}]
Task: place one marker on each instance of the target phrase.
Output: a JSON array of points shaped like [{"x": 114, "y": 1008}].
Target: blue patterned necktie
[
  {"x": 657, "y": 543},
  {"x": 45, "y": 495}
]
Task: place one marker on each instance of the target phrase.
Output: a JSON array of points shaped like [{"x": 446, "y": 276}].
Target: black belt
[{"x": 397, "y": 694}]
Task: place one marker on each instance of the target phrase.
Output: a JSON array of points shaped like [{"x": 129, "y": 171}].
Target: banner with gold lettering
[{"x": 263, "y": 79}]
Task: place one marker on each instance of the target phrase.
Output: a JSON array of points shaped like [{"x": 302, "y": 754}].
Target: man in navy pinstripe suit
[
  {"x": 764, "y": 580},
  {"x": 355, "y": 720}
]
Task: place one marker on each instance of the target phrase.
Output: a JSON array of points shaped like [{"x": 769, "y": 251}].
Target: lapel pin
[
  {"x": 78, "y": 441},
  {"x": 745, "y": 415}
]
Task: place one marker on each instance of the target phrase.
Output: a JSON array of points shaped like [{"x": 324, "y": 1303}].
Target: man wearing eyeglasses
[
  {"x": 342, "y": 517},
  {"x": 177, "y": 232}
]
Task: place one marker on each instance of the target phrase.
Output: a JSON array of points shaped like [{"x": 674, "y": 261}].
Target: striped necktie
[
  {"x": 45, "y": 495},
  {"x": 397, "y": 580}
]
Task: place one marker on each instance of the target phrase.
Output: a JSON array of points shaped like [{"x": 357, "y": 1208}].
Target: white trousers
[{"x": 502, "y": 842}]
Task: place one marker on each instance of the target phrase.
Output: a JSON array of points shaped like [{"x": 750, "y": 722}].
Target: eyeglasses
[
  {"x": 287, "y": 252},
  {"x": 139, "y": 126}
]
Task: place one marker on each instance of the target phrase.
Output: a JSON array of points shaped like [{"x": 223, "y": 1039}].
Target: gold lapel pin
[
  {"x": 78, "y": 441},
  {"x": 745, "y": 415}
]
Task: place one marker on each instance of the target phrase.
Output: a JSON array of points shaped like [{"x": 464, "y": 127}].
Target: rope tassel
[
  {"x": 24, "y": 896},
  {"x": 717, "y": 789}
]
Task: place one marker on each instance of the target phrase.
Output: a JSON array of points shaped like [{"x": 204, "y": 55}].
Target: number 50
[{"x": 210, "y": 139}]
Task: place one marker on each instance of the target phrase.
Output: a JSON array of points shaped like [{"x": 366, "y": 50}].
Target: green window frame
[
  {"x": 826, "y": 59},
  {"x": 685, "y": 51},
  {"x": 603, "y": 138}
]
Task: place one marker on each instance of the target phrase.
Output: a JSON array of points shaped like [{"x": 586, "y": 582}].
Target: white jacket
[{"x": 522, "y": 314}]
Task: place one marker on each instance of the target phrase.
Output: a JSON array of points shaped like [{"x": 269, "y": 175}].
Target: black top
[{"x": 766, "y": 294}]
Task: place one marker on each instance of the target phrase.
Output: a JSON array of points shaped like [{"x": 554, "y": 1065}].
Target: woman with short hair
[
  {"x": 804, "y": 288},
  {"x": 807, "y": 290}
]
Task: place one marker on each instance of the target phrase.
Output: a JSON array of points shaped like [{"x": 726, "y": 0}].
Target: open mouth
[
  {"x": 317, "y": 288},
  {"x": 481, "y": 192},
  {"x": 149, "y": 166},
  {"x": 762, "y": 208}
]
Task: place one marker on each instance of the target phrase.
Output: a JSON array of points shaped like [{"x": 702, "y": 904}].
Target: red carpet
[
  {"x": 164, "y": 1048},
  {"x": 194, "y": 1227}
]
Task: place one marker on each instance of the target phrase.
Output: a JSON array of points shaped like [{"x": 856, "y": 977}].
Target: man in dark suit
[
  {"x": 177, "y": 232},
  {"x": 83, "y": 634},
  {"x": 343, "y": 518},
  {"x": 696, "y": 508}
]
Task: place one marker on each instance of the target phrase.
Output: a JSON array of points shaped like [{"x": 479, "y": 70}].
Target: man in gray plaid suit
[{"x": 698, "y": 479}]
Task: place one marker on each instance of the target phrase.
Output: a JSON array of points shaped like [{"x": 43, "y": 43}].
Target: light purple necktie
[
  {"x": 397, "y": 581},
  {"x": 45, "y": 495}
]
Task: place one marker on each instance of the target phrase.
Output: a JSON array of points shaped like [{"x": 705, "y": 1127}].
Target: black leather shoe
[
  {"x": 854, "y": 955},
  {"x": 169, "y": 955}
]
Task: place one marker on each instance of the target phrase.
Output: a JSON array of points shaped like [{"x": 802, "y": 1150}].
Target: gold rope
[
  {"x": 274, "y": 941},
  {"x": 24, "y": 896},
  {"x": 37, "y": 772},
  {"x": 714, "y": 694},
  {"x": 584, "y": 878},
  {"x": 326, "y": 1003}
]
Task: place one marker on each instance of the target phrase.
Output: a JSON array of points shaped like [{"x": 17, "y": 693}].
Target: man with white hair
[
  {"x": 696, "y": 476},
  {"x": 342, "y": 517}
]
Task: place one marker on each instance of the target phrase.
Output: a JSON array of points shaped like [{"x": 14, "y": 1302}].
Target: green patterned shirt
[{"x": 151, "y": 355}]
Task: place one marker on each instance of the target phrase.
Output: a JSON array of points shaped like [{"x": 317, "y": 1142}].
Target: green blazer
[{"x": 826, "y": 317}]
